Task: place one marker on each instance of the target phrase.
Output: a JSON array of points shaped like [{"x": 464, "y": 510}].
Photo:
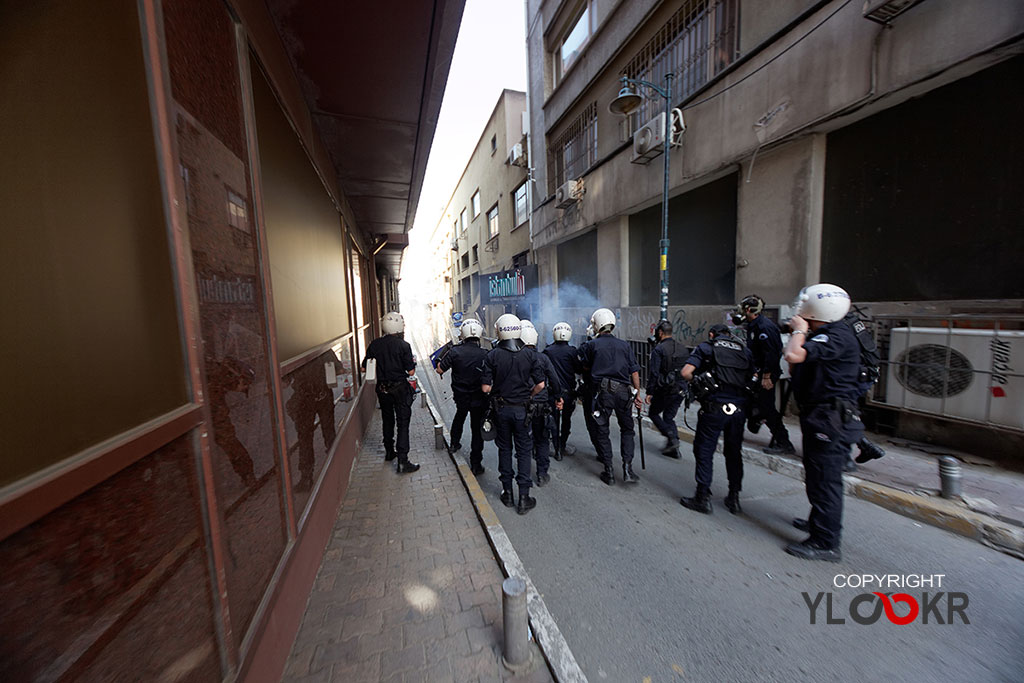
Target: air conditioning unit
[
  {"x": 567, "y": 194},
  {"x": 516, "y": 155},
  {"x": 649, "y": 141},
  {"x": 964, "y": 374}
]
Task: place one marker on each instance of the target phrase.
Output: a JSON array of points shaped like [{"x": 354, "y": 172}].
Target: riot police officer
[
  {"x": 539, "y": 410},
  {"x": 615, "y": 378},
  {"x": 565, "y": 360},
  {"x": 765, "y": 344},
  {"x": 394, "y": 393},
  {"x": 587, "y": 394},
  {"x": 512, "y": 375},
  {"x": 867, "y": 376},
  {"x": 725, "y": 368},
  {"x": 466, "y": 361},
  {"x": 665, "y": 385},
  {"x": 825, "y": 358}
]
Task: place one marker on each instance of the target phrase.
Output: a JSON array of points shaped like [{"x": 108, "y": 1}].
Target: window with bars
[
  {"x": 575, "y": 150},
  {"x": 695, "y": 44}
]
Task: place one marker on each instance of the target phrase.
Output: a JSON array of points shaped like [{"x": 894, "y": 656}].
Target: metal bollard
[
  {"x": 516, "y": 656},
  {"x": 950, "y": 476},
  {"x": 439, "y": 437}
]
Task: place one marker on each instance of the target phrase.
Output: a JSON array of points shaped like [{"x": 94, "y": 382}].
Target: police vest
[
  {"x": 672, "y": 363},
  {"x": 732, "y": 366}
]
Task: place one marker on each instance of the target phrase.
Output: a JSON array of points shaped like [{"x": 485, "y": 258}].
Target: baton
[
  {"x": 558, "y": 436},
  {"x": 640, "y": 434}
]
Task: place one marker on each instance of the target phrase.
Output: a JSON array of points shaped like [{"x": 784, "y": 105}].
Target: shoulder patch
[
  {"x": 763, "y": 335},
  {"x": 821, "y": 338}
]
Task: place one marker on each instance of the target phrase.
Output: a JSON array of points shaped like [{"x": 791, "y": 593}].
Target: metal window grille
[
  {"x": 700, "y": 40},
  {"x": 575, "y": 150}
]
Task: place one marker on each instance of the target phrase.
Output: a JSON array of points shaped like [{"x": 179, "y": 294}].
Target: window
[
  {"x": 465, "y": 261},
  {"x": 494, "y": 144},
  {"x": 519, "y": 203},
  {"x": 492, "y": 222},
  {"x": 575, "y": 150},
  {"x": 463, "y": 221},
  {"x": 237, "y": 215},
  {"x": 573, "y": 42},
  {"x": 476, "y": 204},
  {"x": 476, "y": 254}
]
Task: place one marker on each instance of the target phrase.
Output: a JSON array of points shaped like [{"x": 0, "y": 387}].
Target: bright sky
[{"x": 490, "y": 55}]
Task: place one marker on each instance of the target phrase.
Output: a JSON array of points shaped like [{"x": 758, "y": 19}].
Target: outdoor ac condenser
[
  {"x": 649, "y": 141},
  {"x": 566, "y": 194},
  {"x": 978, "y": 376}
]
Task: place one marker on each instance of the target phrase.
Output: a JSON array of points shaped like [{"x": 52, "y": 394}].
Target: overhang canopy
[{"x": 373, "y": 75}]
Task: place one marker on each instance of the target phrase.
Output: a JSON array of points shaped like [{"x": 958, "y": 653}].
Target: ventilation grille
[{"x": 926, "y": 370}]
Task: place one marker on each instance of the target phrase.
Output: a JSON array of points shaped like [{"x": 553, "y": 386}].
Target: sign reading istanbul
[{"x": 508, "y": 285}]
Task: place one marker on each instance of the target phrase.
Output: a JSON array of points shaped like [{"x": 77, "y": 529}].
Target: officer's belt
[
  {"x": 613, "y": 387},
  {"x": 505, "y": 402},
  {"x": 834, "y": 404}
]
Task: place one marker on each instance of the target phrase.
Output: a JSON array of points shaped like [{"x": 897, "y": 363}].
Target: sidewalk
[
  {"x": 907, "y": 481},
  {"x": 409, "y": 588}
]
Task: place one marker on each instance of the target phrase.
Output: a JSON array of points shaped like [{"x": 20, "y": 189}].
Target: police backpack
[
  {"x": 869, "y": 360},
  {"x": 666, "y": 379},
  {"x": 731, "y": 364}
]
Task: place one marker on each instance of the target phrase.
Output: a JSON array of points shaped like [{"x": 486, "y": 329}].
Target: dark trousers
[
  {"x": 664, "y": 407},
  {"x": 564, "y": 418},
  {"x": 396, "y": 410},
  {"x": 619, "y": 406},
  {"x": 713, "y": 421},
  {"x": 476, "y": 408},
  {"x": 588, "y": 418},
  {"x": 511, "y": 426},
  {"x": 541, "y": 437},
  {"x": 825, "y": 441},
  {"x": 766, "y": 410}
]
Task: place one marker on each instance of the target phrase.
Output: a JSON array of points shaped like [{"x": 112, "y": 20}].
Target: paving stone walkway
[{"x": 409, "y": 588}]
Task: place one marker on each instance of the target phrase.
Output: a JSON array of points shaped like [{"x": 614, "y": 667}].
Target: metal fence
[{"x": 966, "y": 368}]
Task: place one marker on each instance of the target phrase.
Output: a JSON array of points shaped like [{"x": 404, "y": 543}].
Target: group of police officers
[{"x": 527, "y": 398}]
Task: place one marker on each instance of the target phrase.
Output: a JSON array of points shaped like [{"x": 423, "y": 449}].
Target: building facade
[
  {"x": 870, "y": 144},
  {"x": 201, "y": 230}
]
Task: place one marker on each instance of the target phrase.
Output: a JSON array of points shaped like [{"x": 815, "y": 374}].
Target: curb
[
  {"x": 937, "y": 512},
  {"x": 560, "y": 659}
]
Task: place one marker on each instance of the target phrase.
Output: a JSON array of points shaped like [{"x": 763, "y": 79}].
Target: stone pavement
[{"x": 409, "y": 588}]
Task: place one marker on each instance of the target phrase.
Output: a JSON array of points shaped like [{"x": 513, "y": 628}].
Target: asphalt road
[{"x": 646, "y": 590}]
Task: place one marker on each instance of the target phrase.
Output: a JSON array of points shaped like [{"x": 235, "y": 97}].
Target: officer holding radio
[
  {"x": 466, "y": 361},
  {"x": 394, "y": 367},
  {"x": 719, "y": 371},
  {"x": 615, "y": 378}
]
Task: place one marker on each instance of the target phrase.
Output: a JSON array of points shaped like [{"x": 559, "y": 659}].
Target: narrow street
[{"x": 644, "y": 589}]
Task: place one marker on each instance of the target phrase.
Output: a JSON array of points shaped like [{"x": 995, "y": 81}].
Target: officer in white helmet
[
  {"x": 540, "y": 411},
  {"x": 394, "y": 393},
  {"x": 512, "y": 375},
  {"x": 824, "y": 358},
  {"x": 615, "y": 376},
  {"x": 565, "y": 359},
  {"x": 466, "y": 361}
]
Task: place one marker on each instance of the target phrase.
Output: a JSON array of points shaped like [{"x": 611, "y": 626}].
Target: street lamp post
[{"x": 626, "y": 102}]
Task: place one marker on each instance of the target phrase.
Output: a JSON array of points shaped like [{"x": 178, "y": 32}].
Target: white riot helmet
[
  {"x": 823, "y": 302},
  {"x": 529, "y": 335},
  {"x": 392, "y": 323},
  {"x": 507, "y": 327},
  {"x": 561, "y": 332},
  {"x": 603, "y": 320},
  {"x": 527, "y": 325},
  {"x": 471, "y": 329}
]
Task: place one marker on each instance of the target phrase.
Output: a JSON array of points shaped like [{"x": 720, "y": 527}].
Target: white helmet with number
[
  {"x": 392, "y": 323},
  {"x": 471, "y": 329},
  {"x": 823, "y": 302},
  {"x": 507, "y": 326},
  {"x": 603, "y": 320},
  {"x": 527, "y": 325},
  {"x": 529, "y": 335},
  {"x": 561, "y": 332}
]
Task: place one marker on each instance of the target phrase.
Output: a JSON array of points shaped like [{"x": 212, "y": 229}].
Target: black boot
[
  {"x": 813, "y": 550},
  {"x": 802, "y": 524},
  {"x": 543, "y": 479},
  {"x": 406, "y": 467},
  {"x": 869, "y": 451},
  {"x": 671, "y": 449},
  {"x": 508, "y": 499},
  {"x": 526, "y": 503},
  {"x": 786, "y": 448},
  {"x": 628, "y": 475},
  {"x": 608, "y": 476},
  {"x": 477, "y": 469},
  {"x": 389, "y": 456},
  {"x": 732, "y": 503},
  {"x": 701, "y": 501}
]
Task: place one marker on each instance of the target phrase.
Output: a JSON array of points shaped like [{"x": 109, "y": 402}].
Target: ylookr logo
[{"x": 940, "y": 607}]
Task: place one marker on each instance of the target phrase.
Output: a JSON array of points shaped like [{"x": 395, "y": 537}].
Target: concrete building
[
  {"x": 872, "y": 144},
  {"x": 487, "y": 217},
  {"x": 205, "y": 205}
]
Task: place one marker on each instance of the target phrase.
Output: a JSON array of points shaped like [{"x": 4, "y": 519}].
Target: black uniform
[
  {"x": 665, "y": 387},
  {"x": 394, "y": 361},
  {"x": 611, "y": 363},
  {"x": 565, "y": 359},
  {"x": 732, "y": 366},
  {"x": 826, "y": 389},
  {"x": 765, "y": 344},
  {"x": 466, "y": 361},
  {"x": 512, "y": 373},
  {"x": 540, "y": 414}
]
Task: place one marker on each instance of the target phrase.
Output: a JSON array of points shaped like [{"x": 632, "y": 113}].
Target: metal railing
[
  {"x": 695, "y": 44},
  {"x": 575, "y": 150},
  {"x": 966, "y": 368}
]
